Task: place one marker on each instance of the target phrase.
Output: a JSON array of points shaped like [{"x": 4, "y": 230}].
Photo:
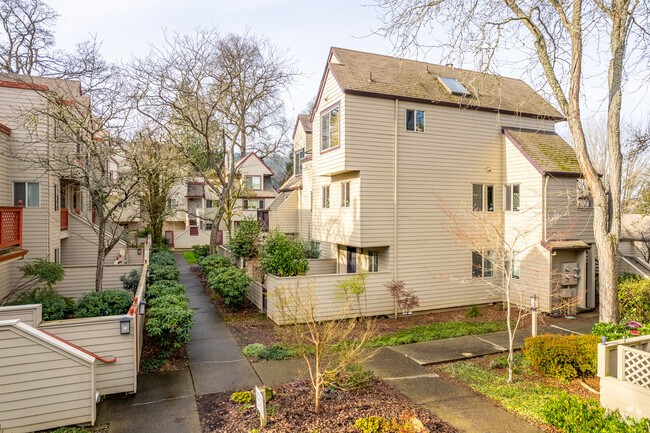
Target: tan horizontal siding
[
  {"x": 79, "y": 280},
  {"x": 285, "y": 218},
  {"x": 80, "y": 247},
  {"x": 29, "y": 314}
]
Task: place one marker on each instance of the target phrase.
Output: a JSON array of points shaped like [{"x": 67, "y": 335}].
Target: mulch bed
[
  {"x": 250, "y": 326},
  {"x": 294, "y": 411}
]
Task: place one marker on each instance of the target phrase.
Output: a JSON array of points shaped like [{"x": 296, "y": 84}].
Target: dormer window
[
  {"x": 454, "y": 87},
  {"x": 297, "y": 164},
  {"x": 330, "y": 128}
]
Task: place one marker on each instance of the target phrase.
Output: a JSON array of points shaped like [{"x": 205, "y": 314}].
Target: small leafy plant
[
  {"x": 130, "y": 281},
  {"x": 232, "y": 284},
  {"x": 160, "y": 272},
  {"x": 473, "y": 312},
  {"x": 283, "y": 256},
  {"x": 245, "y": 241},
  {"x": 54, "y": 306},
  {"x": 211, "y": 263},
  {"x": 201, "y": 251},
  {"x": 253, "y": 350},
  {"x": 404, "y": 300},
  {"x": 564, "y": 357}
]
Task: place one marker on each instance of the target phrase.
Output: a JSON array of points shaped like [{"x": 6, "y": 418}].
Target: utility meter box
[{"x": 569, "y": 274}]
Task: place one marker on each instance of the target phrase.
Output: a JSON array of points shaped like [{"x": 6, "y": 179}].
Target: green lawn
[
  {"x": 437, "y": 331},
  {"x": 189, "y": 257},
  {"x": 523, "y": 396}
]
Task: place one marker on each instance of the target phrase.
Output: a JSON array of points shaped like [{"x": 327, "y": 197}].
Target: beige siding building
[{"x": 391, "y": 142}]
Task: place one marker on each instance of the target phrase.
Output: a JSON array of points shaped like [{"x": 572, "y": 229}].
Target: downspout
[
  {"x": 544, "y": 208},
  {"x": 395, "y": 172}
]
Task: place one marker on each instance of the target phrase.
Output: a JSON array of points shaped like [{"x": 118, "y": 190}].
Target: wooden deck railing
[
  {"x": 64, "y": 218},
  {"x": 11, "y": 227},
  {"x": 634, "y": 366}
]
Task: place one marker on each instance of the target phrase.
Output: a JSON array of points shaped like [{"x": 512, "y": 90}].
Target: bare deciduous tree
[
  {"x": 200, "y": 89},
  {"x": 558, "y": 33}
]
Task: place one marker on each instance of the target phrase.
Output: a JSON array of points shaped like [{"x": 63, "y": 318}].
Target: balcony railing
[
  {"x": 64, "y": 218},
  {"x": 11, "y": 227}
]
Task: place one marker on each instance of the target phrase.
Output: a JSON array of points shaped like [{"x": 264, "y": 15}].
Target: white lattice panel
[{"x": 637, "y": 367}]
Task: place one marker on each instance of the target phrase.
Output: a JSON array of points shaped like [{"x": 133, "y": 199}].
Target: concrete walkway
[{"x": 166, "y": 402}]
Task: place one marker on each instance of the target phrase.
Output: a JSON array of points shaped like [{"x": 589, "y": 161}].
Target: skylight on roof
[{"x": 454, "y": 87}]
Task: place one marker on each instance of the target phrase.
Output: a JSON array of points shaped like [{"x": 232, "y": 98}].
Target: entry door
[
  {"x": 352, "y": 260},
  {"x": 169, "y": 234},
  {"x": 263, "y": 219},
  {"x": 220, "y": 237}
]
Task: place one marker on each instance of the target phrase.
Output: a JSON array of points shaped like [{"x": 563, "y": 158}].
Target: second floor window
[
  {"x": 297, "y": 164},
  {"x": 483, "y": 198},
  {"x": 415, "y": 120},
  {"x": 253, "y": 204},
  {"x": 27, "y": 194},
  {"x": 512, "y": 197},
  {"x": 171, "y": 203},
  {"x": 209, "y": 204},
  {"x": 329, "y": 122},
  {"x": 254, "y": 182},
  {"x": 326, "y": 196},
  {"x": 345, "y": 194},
  {"x": 482, "y": 264}
]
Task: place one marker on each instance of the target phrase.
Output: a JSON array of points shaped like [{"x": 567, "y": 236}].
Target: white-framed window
[
  {"x": 171, "y": 203},
  {"x": 27, "y": 194},
  {"x": 208, "y": 226},
  {"x": 297, "y": 163},
  {"x": 415, "y": 120},
  {"x": 329, "y": 125},
  {"x": 512, "y": 197},
  {"x": 57, "y": 198},
  {"x": 482, "y": 198},
  {"x": 514, "y": 266},
  {"x": 482, "y": 264},
  {"x": 253, "y": 204},
  {"x": 345, "y": 194},
  {"x": 254, "y": 182},
  {"x": 373, "y": 261},
  {"x": 326, "y": 196},
  {"x": 57, "y": 256}
]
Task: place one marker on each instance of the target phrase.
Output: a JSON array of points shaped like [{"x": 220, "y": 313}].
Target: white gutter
[{"x": 395, "y": 173}]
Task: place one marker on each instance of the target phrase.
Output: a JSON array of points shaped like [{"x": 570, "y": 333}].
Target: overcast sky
[{"x": 306, "y": 29}]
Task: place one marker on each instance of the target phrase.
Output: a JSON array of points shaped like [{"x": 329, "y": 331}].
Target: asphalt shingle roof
[
  {"x": 546, "y": 150},
  {"x": 416, "y": 80}
]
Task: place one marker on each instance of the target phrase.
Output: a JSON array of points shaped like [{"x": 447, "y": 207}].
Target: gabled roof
[
  {"x": 375, "y": 75},
  {"x": 305, "y": 121},
  {"x": 240, "y": 163},
  {"x": 546, "y": 151},
  {"x": 635, "y": 227}
]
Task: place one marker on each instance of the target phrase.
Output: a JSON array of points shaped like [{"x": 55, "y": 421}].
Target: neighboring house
[
  {"x": 196, "y": 205},
  {"x": 44, "y": 216},
  {"x": 391, "y": 140},
  {"x": 634, "y": 246}
]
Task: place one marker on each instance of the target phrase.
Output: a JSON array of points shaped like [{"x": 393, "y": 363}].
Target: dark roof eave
[
  {"x": 562, "y": 174},
  {"x": 451, "y": 104}
]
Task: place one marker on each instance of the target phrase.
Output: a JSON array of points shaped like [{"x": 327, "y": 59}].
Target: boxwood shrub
[
  {"x": 563, "y": 356},
  {"x": 213, "y": 262},
  {"x": 160, "y": 272},
  {"x": 54, "y": 306},
  {"x": 104, "y": 303},
  {"x": 162, "y": 258},
  {"x": 201, "y": 251},
  {"x": 231, "y": 283}
]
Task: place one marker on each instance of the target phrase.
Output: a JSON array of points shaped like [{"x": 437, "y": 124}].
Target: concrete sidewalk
[
  {"x": 453, "y": 404},
  {"x": 166, "y": 402},
  {"x": 470, "y": 346}
]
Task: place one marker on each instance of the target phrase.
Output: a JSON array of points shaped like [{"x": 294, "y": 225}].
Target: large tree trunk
[
  {"x": 214, "y": 233},
  {"x": 157, "y": 229}
]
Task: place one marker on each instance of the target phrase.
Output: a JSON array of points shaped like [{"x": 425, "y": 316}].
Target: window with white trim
[
  {"x": 373, "y": 261},
  {"x": 345, "y": 194},
  {"x": 512, "y": 197},
  {"x": 326, "y": 196},
  {"x": 209, "y": 204},
  {"x": 27, "y": 194},
  {"x": 483, "y": 198},
  {"x": 329, "y": 122},
  {"x": 171, "y": 203},
  {"x": 415, "y": 120},
  {"x": 482, "y": 264},
  {"x": 254, "y": 182},
  {"x": 297, "y": 164}
]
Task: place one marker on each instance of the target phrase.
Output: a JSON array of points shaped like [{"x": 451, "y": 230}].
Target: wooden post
[
  {"x": 533, "y": 305},
  {"x": 620, "y": 362}
]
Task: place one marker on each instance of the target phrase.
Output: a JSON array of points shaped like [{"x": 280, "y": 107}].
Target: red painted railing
[
  {"x": 64, "y": 218},
  {"x": 11, "y": 227}
]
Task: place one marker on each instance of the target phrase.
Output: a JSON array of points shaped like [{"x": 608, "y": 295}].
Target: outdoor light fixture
[
  {"x": 142, "y": 306},
  {"x": 139, "y": 251},
  {"x": 533, "y": 305},
  {"x": 148, "y": 272},
  {"x": 533, "y": 302},
  {"x": 125, "y": 325}
]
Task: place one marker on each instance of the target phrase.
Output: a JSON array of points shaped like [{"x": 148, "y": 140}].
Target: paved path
[{"x": 166, "y": 402}]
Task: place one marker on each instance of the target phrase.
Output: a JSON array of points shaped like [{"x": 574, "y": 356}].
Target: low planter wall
[
  {"x": 321, "y": 266},
  {"x": 79, "y": 280},
  {"x": 326, "y": 298}
]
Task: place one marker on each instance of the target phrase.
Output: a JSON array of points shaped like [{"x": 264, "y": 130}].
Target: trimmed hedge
[
  {"x": 563, "y": 356},
  {"x": 159, "y": 272},
  {"x": 213, "y": 262},
  {"x": 231, "y": 284},
  {"x": 105, "y": 303}
]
